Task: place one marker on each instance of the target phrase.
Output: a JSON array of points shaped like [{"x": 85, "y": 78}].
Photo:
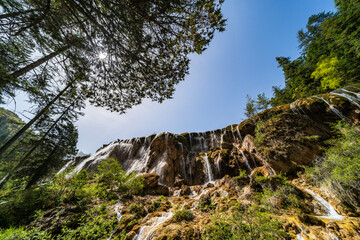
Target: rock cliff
[{"x": 280, "y": 139}]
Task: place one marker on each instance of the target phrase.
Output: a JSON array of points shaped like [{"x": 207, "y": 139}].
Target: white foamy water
[
  {"x": 208, "y": 169},
  {"x": 332, "y": 214},
  {"x": 147, "y": 232}
]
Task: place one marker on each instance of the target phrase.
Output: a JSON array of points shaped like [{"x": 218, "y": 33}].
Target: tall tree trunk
[
  {"x": 33, "y": 65},
  {"x": 28, "y": 125},
  {"x": 8, "y": 177},
  {"x": 42, "y": 169}
]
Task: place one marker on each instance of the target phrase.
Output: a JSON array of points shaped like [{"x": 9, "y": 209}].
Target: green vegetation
[
  {"x": 339, "y": 169},
  {"x": 250, "y": 223},
  {"x": 74, "y": 198},
  {"x": 182, "y": 215},
  {"x": 330, "y": 56}
]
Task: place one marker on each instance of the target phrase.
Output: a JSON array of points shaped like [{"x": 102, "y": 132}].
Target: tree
[{"x": 121, "y": 52}]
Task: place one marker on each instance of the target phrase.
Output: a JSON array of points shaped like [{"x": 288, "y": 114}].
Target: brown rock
[
  {"x": 151, "y": 180},
  {"x": 158, "y": 190}
]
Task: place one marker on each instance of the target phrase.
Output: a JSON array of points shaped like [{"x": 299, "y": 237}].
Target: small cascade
[
  {"x": 348, "y": 91},
  {"x": 232, "y": 133},
  {"x": 332, "y": 214},
  {"x": 63, "y": 168},
  {"x": 147, "y": 232},
  {"x": 238, "y": 132},
  {"x": 294, "y": 109},
  {"x": 203, "y": 192},
  {"x": 208, "y": 169},
  {"x": 218, "y": 163},
  {"x": 182, "y": 161},
  {"x": 352, "y": 99},
  {"x": 332, "y": 108},
  {"x": 97, "y": 157},
  {"x": 332, "y": 236},
  {"x": 222, "y": 138},
  {"x": 118, "y": 209},
  {"x": 246, "y": 161}
]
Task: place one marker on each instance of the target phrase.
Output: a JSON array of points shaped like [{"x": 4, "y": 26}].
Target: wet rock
[
  {"x": 332, "y": 226},
  {"x": 158, "y": 190},
  {"x": 185, "y": 190},
  {"x": 151, "y": 180},
  {"x": 311, "y": 220}
]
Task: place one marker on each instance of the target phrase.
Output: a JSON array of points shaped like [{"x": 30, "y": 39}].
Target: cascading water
[
  {"x": 147, "y": 232},
  {"x": 218, "y": 163},
  {"x": 332, "y": 214},
  {"x": 348, "y": 91},
  {"x": 182, "y": 161},
  {"x": 97, "y": 157},
  {"x": 332, "y": 108},
  {"x": 246, "y": 161},
  {"x": 118, "y": 209},
  {"x": 208, "y": 169},
  {"x": 352, "y": 99},
  {"x": 238, "y": 132}
]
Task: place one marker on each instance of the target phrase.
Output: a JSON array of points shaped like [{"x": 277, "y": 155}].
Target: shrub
[
  {"x": 339, "y": 168},
  {"x": 21, "y": 233},
  {"x": 251, "y": 223},
  {"x": 111, "y": 176},
  {"x": 185, "y": 214}
]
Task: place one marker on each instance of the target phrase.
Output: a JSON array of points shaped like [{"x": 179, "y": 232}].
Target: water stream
[
  {"x": 332, "y": 108},
  {"x": 332, "y": 214},
  {"x": 246, "y": 161},
  {"x": 352, "y": 99},
  {"x": 210, "y": 178},
  {"x": 147, "y": 232}
]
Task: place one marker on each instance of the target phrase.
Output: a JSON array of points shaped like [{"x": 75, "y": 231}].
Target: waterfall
[
  {"x": 222, "y": 138},
  {"x": 147, "y": 232},
  {"x": 352, "y": 99},
  {"x": 218, "y": 163},
  {"x": 246, "y": 161},
  {"x": 118, "y": 209},
  {"x": 238, "y": 132},
  {"x": 100, "y": 155},
  {"x": 332, "y": 108},
  {"x": 182, "y": 161},
  {"x": 208, "y": 169},
  {"x": 348, "y": 91},
  {"x": 232, "y": 133},
  {"x": 332, "y": 214}
]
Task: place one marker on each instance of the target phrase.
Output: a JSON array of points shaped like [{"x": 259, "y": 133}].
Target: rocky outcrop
[{"x": 280, "y": 139}]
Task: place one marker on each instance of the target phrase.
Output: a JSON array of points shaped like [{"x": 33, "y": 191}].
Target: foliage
[
  {"x": 156, "y": 204},
  {"x": 330, "y": 56},
  {"x": 185, "y": 214},
  {"x": 96, "y": 223},
  {"x": 111, "y": 176},
  {"x": 251, "y": 223},
  {"x": 24, "y": 234},
  {"x": 242, "y": 174},
  {"x": 255, "y": 106},
  {"x": 339, "y": 168}
]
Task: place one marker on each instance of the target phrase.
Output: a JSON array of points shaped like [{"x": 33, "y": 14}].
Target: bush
[
  {"x": 111, "y": 176},
  {"x": 185, "y": 214},
  {"x": 339, "y": 169},
  {"x": 21, "y": 233},
  {"x": 251, "y": 223},
  {"x": 97, "y": 223}
]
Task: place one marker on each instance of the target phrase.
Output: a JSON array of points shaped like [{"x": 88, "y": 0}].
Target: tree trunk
[
  {"x": 41, "y": 170},
  {"x": 33, "y": 65},
  {"x": 28, "y": 125},
  {"x": 8, "y": 177}
]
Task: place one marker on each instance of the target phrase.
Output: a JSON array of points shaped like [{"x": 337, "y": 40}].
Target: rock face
[{"x": 280, "y": 139}]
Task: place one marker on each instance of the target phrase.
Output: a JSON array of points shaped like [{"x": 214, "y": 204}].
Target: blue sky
[{"x": 238, "y": 62}]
